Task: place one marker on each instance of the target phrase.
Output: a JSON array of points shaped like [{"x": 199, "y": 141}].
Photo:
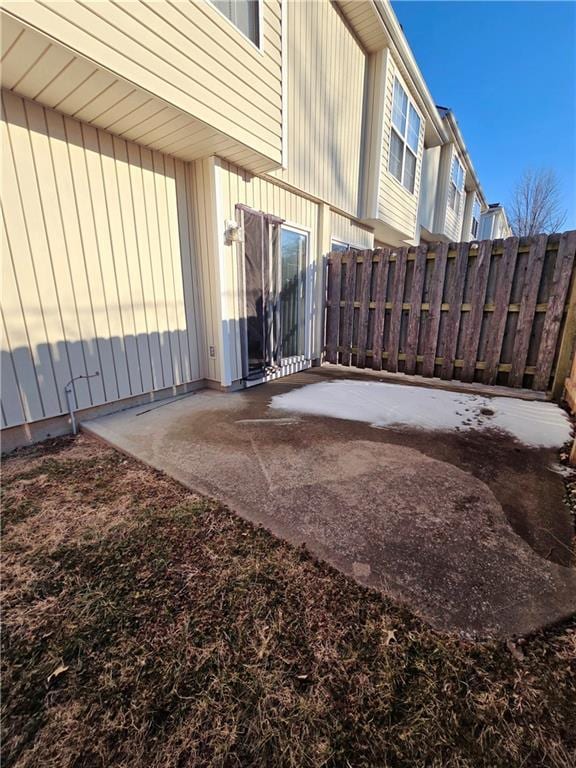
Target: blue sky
[{"x": 508, "y": 71}]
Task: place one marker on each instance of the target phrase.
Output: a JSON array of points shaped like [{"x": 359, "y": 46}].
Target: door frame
[
  {"x": 300, "y": 230},
  {"x": 298, "y": 362}
]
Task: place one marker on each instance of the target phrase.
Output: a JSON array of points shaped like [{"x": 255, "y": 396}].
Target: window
[
  {"x": 344, "y": 247},
  {"x": 244, "y": 14},
  {"x": 293, "y": 257},
  {"x": 404, "y": 137},
  {"x": 456, "y": 186},
  {"x": 475, "y": 218}
]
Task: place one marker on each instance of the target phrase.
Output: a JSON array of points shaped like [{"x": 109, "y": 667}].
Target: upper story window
[
  {"x": 475, "y": 218},
  {"x": 404, "y": 136},
  {"x": 244, "y": 14},
  {"x": 456, "y": 191}
]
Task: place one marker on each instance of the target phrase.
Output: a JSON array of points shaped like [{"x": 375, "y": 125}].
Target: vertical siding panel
[
  {"x": 101, "y": 357},
  {"x": 24, "y": 223},
  {"x": 18, "y": 349},
  {"x": 12, "y": 406},
  {"x": 166, "y": 265},
  {"x": 72, "y": 347},
  {"x": 172, "y": 205},
  {"x": 147, "y": 288},
  {"x": 156, "y": 264},
  {"x": 74, "y": 286},
  {"x": 133, "y": 265},
  {"x": 106, "y": 264},
  {"x": 189, "y": 269},
  {"x": 113, "y": 206}
]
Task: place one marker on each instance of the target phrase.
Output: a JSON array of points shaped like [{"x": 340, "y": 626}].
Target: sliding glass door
[{"x": 292, "y": 293}]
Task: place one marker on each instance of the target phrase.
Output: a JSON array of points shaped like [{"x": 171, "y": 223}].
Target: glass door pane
[{"x": 292, "y": 292}]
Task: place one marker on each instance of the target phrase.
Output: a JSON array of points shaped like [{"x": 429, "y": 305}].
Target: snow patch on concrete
[{"x": 382, "y": 404}]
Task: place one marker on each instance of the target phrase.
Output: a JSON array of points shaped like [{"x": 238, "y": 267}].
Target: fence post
[{"x": 567, "y": 344}]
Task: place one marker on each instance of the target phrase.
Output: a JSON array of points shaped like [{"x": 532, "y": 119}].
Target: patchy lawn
[{"x": 145, "y": 626}]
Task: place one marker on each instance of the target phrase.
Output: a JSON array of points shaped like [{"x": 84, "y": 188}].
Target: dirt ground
[
  {"x": 146, "y": 626},
  {"x": 469, "y": 529}
]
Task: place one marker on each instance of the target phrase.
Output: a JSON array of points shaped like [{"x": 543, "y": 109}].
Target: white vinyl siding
[
  {"x": 186, "y": 54},
  {"x": 455, "y": 204},
  {"x": 397, "y": 206},
  {"x": 325, "y": 89},
  {"x": 98, "y": 269},
  {"x": 235, "y": 186},
  {"x": 350, "y": 232}
]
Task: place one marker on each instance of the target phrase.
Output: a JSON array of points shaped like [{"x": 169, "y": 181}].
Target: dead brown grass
[{"x": 145, "y": 626}]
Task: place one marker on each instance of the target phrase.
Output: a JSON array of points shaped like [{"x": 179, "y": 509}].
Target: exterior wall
[
  {"x": 232, "y": 185},
  {"x": 187, "y": 54},
  {"x": 428, "y": 187},
  {"x": 493, "y": 225},
  {"x": 453, "y": 221},
  {"x": 467, "y": 235},
  {"x": 398, "y": 208},
  {"x": 350, "y": 232},
  {"x": 237, "y": 186},
  {"x": 98, "y": 269},
  {"x": 325, "y": 90}
]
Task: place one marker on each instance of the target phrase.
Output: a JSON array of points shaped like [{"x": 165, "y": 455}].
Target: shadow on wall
[
  {"x": 99, "y": 266},
  {"x": 33, "y": 383}
]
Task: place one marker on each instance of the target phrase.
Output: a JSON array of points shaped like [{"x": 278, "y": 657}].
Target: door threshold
[{"x": 284, "y": 370}]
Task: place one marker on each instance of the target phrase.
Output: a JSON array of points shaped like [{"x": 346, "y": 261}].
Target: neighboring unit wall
[
  {"x": 325, "y": 89},
  {"x": 98, "y": 270},
  {"x": 428, "y": 188},
  {"x": 187, "y": 53},
  {"x": 453, "y": 222},
  {"x": 397, "y": 207}
]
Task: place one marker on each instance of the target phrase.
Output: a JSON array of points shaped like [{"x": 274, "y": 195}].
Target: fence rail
[{"x": 496, "y": 312}]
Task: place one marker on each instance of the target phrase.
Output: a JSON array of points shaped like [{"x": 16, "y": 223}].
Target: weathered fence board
[
  {"x": 528, "y": 301},
  {"x": 492, "y": 311},
  {"x": 454, "y": 312},
  {"x": 396, "y": 313},
  {"x": 382, "y": 267},
  {"x": 364, "y": 313},
  {"x": 415, "y": 308}
]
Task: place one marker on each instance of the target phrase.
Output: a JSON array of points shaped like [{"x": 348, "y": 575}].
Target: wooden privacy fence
[{"x": 496, "y": 312}]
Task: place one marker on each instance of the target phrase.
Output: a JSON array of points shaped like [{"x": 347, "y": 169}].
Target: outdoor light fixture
[{"x": 232, "y": 232}]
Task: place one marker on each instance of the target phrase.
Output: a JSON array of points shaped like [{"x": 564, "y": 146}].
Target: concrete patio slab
[{"x": 468, "y": 528}]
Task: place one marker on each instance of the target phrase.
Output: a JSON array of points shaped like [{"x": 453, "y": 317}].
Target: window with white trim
[
  {"x": 244, "y": 14},
  {"x": 340, "y": 247},
  {"x": 456, "y": 191},
  {"x": 404, "y": 138},
  {"x": 475, "y": 218}
]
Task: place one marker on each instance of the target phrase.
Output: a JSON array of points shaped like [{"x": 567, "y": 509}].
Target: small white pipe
[{"x": 69, "y": 391}]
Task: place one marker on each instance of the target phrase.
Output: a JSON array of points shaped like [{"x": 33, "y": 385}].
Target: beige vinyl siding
[
  {"x": 186, "y": 54},
  {"x": 234, "y": 186},
  {"x": 453, "y": 223},
  {"x": 325, "y": 92},
  {"x": 202, "y": 190},
  {"x": 51, "y": 74},
  {"x": 398, "y": 207},
  {"x": 98, "y": 272},
  {"x": 347, "y": 231}
]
